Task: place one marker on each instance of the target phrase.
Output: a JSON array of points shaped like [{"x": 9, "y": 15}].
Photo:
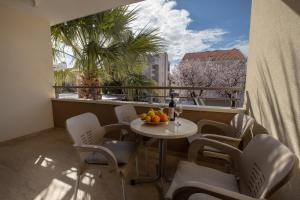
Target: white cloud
[
  {"x": 242, "y": 45},
  {"x": 173, "y": 27}
]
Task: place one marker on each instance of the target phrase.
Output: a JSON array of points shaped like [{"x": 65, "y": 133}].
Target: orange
[
  {"x": 164, "y": 117},
  {"x": 159, "y": 113},
  {"x": 155, "y": 119}
]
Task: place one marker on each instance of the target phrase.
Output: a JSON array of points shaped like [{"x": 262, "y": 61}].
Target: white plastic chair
[
  {"x": 125, "y": 114},
  {"x": 232, "y": 134},
  {"x": 88, "y": 136},
  {"x": 262, "y": 168}
]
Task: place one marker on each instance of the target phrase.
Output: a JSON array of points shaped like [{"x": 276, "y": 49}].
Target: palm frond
[{"x": 103, "y": 44}]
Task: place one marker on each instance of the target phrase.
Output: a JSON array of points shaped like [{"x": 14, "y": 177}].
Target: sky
[{"x": 196, "y": 25}]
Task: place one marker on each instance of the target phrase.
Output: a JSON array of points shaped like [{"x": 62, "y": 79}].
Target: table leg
[
  {"x": 160, "y": 174},
  {"x": 162, "y": 157}
]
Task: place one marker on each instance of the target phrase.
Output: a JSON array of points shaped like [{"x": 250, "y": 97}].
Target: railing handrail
[{"x": 235, "y": 89}]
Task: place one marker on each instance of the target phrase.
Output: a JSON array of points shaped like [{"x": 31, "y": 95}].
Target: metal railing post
[
  {"x": 94, "y": 93},
  {"x": 56, "y": 92},
  {"x": 233, "y": 99}
]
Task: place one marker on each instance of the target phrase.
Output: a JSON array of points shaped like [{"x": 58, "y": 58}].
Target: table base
[{"x": 160, "y": 171}]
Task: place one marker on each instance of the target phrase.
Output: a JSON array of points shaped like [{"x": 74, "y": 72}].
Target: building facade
[{"x": 157, "y": 68}]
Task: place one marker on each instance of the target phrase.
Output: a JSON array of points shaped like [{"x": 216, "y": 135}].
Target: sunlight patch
[
  {"x": 56, "y": 190},
  {"x": 45, "y": 162},
  {"x": 82, "y": 195},
  {"x": 86, "y": 178}
]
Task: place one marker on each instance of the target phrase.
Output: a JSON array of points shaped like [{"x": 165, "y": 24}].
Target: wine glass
[
  {"x": 161, "y": 105},
  {"x": 178, "y": 111}
]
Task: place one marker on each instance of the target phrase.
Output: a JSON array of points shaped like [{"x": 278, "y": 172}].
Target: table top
[{"x": 165, "y": 131}]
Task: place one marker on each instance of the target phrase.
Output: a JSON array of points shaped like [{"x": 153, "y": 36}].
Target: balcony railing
[{"x": 212, "y": 96}]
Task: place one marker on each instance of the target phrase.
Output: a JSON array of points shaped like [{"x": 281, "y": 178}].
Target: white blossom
[{"x": 223, "y": 74}]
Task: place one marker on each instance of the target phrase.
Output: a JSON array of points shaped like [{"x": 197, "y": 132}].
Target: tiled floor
[{"x": 43, "y": 167}]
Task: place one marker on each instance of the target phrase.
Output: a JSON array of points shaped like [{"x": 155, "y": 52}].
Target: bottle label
[{"x": 171, "y": 113}]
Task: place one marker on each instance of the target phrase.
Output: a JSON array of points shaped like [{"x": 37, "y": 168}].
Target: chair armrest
[
  {"x": 128, "y": 119},
  {"x": 186, "y": 189},
  {"x": 108, "y": 154},
  {"x": 226, "y": 128},
  {"x": 235, "y": 142},
  {"x": 199, "y": 144},
  {"x": 116, "y": 127}
]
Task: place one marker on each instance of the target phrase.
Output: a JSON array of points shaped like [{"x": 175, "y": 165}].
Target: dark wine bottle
[{"x": 172, "y": 105}]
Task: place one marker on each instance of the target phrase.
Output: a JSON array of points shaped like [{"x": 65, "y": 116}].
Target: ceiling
[{"x": 58, "y": 11}]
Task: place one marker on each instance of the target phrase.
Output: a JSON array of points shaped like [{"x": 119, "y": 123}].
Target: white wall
[
  {"x": 273, "y": 76},
  {"x": 25, "y": 74}
]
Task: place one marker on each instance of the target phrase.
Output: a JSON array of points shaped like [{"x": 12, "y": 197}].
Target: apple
[
  {"x": 143, "y": 116},
  {"x": 148, "y": 119},
  {"x": 151, "y": 113}
]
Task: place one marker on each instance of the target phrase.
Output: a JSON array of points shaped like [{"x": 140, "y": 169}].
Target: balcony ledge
[{"x": 143, "y": 104}]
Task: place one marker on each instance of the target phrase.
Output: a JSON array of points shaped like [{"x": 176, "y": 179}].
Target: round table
[{"x": 162, "y": 132}]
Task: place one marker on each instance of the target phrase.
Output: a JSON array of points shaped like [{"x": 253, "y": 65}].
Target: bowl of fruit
[{"x": 154, "y": 117}]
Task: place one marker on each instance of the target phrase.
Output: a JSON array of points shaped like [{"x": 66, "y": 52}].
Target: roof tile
[{"x": 232, "y": 54}]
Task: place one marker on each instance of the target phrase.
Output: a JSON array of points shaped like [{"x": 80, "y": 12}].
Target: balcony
[
  {"x": 37, "y": 159},
  {"x": 46, "y": 163}
]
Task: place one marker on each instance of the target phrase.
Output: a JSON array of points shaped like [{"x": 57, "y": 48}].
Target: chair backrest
[
  {"x": 265, "y": 165},
  {"x": 242, "y": 123},
  {"x": 85, "y": 129},
  {"x": 125, "y": 114}
]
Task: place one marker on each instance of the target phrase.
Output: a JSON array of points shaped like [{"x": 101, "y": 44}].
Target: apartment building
[{"x": 157, "y": 68}]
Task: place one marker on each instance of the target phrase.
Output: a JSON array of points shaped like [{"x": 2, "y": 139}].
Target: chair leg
[
  {"x": 76, "y": 187},
  {"x": 79, "y": 172},
  {"x": 137, "y": 166},
  {"x": 123, "y": 133},
  {"x": 123, "y": 188},
  {"x": 100, "y": 173},
  {"x": 146, "y": 160},
  {"x": 121, "y": 136}
]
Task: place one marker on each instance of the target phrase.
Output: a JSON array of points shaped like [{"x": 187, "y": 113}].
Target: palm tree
[
  {"x": 139, "y": 80},
  {"x": 64, "y": 76},
  {"x": 103, "y": 46}
]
